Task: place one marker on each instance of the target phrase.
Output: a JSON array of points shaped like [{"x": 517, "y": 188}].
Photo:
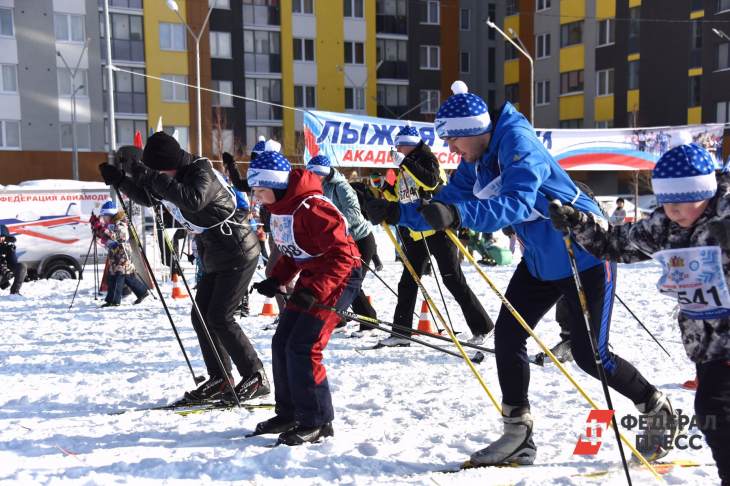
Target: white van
[{"x": 50, "y": 219}]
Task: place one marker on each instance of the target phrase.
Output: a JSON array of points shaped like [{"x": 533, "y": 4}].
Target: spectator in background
[
  {"x": 10, "y": 267},
  {"x": 618, "y": 218}
]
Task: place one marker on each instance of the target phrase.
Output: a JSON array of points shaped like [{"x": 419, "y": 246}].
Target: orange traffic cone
[
  {"x": 690, "y": 384},
  {"x": 424, "y": 321},
  {"x": 268, "y": 310},
  {"x": 177, "y": 291},
  {"x": 370, "y": 300}
]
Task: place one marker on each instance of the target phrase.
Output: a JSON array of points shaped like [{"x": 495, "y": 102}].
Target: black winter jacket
[{"x": 203, "y": 201}]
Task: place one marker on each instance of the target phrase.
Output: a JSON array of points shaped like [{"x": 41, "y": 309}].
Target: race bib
[
  {"x": 282, "y": 230},
  {"x": 407, "y": 189},
  {"x": 696, "y": 278}
]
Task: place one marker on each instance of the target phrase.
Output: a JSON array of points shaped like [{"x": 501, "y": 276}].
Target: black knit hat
[{"x": 162, "y": 152}]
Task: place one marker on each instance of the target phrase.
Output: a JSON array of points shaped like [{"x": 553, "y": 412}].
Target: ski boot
[
  {"x": 515, "y": 446},
  {"x": 299, "y": 434},
  {"x": 256, "y": 385},
  {"x": 213, "y": 388},
  {"x": 561, "y": 351},
  {"x": 393, "y": 342},
  {"x": 278, "y": 424},
  {"x": 662, "y": 427},
  {"x": 243, "y": 309}
]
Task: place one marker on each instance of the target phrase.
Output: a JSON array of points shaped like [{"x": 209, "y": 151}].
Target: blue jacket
[{"x": 530, "y": 179}]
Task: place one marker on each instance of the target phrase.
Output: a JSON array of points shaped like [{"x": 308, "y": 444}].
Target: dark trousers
[
  {"x": 447, "y": 257},
  {"x": 300, "y": 379},
  {"x": 274, "y": 255},
  {"x": 218, "y": 296},
  {"x": 361, "y": 305},
  {"x": 713, "y": 399},
  {"x": 20, "y": 271},
  {"x": 116, "y": 283},
  {"x": 532, "y": 298}
]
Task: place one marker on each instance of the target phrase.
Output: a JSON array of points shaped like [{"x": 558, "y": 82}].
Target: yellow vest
[{"x": 406, "y": 189}]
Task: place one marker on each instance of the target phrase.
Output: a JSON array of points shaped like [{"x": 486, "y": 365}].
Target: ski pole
[
  {"x": 96, "y": 271},
  {"x": 426, "y": 296},
  {"x": 175, "y": 262},
  {"x": 371, "y": 270},
  {"x": 642, "y": 325},
  {"x": 135, "y": 237},
  {"x": 594, "y": 342},
  {"x": 507, "y": 305},
  {"x": 81, "y": 274}
]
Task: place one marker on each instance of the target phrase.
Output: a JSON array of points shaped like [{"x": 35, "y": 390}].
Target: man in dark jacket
[
  {"x": 10, "y": 268},
  {"x": 199, "y": 198}
]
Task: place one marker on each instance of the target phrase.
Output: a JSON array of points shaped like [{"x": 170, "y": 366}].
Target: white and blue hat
[
  {"x": 108, "y": 209},
  {"x": 686, "y": 173},
  {"x": 269, "y": 169},
  {"x": 320, "y": 165},
  {"x": 408, "y": 135},
  {"x": 463, "y": 114},
  {"x": 259, "y": 147}
]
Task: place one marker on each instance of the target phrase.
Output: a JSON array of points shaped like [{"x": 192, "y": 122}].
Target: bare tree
[{"x": 220, "y": 123}]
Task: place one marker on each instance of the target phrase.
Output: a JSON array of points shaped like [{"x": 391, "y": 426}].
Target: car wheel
[{"x": 60, "y": 271}]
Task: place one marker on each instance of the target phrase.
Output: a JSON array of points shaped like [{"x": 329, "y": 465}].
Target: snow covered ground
[{"x": 401, "y": 414}]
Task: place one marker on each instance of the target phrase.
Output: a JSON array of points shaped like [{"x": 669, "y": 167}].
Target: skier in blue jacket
[{"x": 507, "y": 178}]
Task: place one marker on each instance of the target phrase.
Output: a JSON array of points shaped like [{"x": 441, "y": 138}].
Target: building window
[
  {"x": 127, "y": 37},
  {"x": 219, "y": 99},
  {"x": 353, "y": 8},
  {"x": 9, "y": 134},
  {"x": 264, "y": 90},
  {"x": 391, "y": 50},
  {"x": 355, "y": 99},
  {"x": 542, "y": 93},
  {"x": 571, "y": 34},
  {"x": 126, "y": 130},
  {"x": 634, "y": 28},
  {"x": 722, "y": 112},
  {"x": 633, "y": 75},
  {"x": 172, "y": 37},
  {"x": 9, "y": 80},
  {"x": 604, "y": 82},
  {"x": 64, "y": 82},
  {"x": 303, "y": 7},
  {"x": 606, "y": 32},
  {"x": 83, "y": 136},
  {"x": 430, "y": 57},
  {"x": 222, "y": 140},
  {"x": 543, "y": 46},
  {"x": 510, "y": 8},
  {"x": 603, "y": 124},
  {"x": 304, "y": 96},
  {"x": 512, "y": 92},
  {"x": 491, "y": 64},
  {"x": 430, "y": 101},
  {"x": 129, "y": 91},
  {"x": 6, "y": 22},
  {"x": 394, "y": 97},
  {"x": 180, "y": 133},
  {"x": 492, "y": 15},
  {"x": 465, "y": 19},
  {"x": 464, "y": 68},
  {"x": 354, "y": 53},
  {"x": 303, "y": 49},
  {"x": 571, "y": 82},
  {"x": 172, "y": 91},
  {"x": 126, "y": 4},
  {"x": 261, "y": 51},
  {"x": 391, "y": 7},
  {"x": 69, "y": 28},
  {"x": 542, "y": 5},
  {"x": 575, "y": 123},
  {"x": 723, "y": 5},
  {"x": 220, "y": 44},
  {"x": 269, "y": 132},
  {"x": 510, "y": 52},
  {"x": 430, "y": 12},
  {"x": 261, "y": 12},
  {"x": 723, "y": 55},
  {"x": 695, "y": 91},
  {"x": 220, "y": 4}
]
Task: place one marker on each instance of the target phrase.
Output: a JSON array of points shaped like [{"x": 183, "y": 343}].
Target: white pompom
[
  {"x": 272, "y": 146},
  {"x": 262, "y": 138},
  {"x": 683, "y": 138},
  {"x": 459, "y": 87}
]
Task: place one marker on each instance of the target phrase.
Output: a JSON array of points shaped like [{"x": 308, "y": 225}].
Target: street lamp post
[
  {"x": 524, "y": 52},
  {"x": 172, "y": 5},
  {"x": 721, "y": 34},
  {"x": 74, "y": 90}
]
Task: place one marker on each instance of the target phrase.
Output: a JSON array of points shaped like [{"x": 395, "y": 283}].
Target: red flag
[{"x": 138, "y": 140}]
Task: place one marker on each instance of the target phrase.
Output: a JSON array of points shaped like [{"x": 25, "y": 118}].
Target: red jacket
[{"x": 319, "y": 229}]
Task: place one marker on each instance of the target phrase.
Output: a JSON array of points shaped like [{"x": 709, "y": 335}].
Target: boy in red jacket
[{"x": 314, "y": 241}]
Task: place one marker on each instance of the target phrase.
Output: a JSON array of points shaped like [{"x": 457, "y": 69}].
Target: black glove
[
  {"x": 268, "y": 287},
  {"x": 440, "y": 216},
  {"x": 303, "y": 298},
  {"x": 380, "y": 210},
  {"x": 720, "y": 231},
  {"x": 126, "y": 156},
  {"x": 140, "y": 173},
  {"x": 191, "y": 258},
  {"x": 228, "y": 160},
  {"x": 111, "y": 174},
  {"x": 565, "y": 217}
]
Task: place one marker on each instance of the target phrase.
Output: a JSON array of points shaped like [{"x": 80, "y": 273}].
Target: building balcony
[
  {"x": 391, "y": 24},
  {"x": 393, "y": 70}
]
